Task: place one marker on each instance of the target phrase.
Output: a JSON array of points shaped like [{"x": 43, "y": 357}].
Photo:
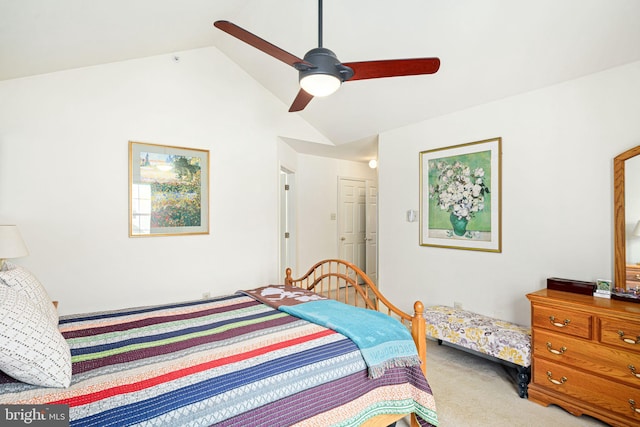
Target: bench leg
[{"x": 524, "y": 376}]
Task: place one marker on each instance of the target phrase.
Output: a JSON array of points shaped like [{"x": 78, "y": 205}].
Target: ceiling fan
[{"x": 321, "y": 73}]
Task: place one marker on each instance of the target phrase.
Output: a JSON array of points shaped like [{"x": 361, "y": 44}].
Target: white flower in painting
[
  {"x": 458, "y": 189},
  {"x": 460, "y": 211}
]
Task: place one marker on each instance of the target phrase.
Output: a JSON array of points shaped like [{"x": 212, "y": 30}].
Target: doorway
[{"x": 357, "y": 224}]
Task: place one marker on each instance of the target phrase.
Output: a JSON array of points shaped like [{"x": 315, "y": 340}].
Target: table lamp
[{"x": 11, "y": 243}]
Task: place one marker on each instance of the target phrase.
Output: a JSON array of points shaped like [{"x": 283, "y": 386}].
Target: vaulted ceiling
[{"x": 489, "y": 49}]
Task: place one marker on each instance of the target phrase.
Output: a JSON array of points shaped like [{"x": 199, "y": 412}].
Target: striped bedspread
[{"x": 228, "y": 361}]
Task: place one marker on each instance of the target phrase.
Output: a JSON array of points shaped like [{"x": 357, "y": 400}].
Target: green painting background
[{"x": 439, "y": 219}]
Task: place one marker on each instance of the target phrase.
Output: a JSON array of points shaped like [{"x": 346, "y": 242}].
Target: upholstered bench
[{"x": 502, "y": 340}]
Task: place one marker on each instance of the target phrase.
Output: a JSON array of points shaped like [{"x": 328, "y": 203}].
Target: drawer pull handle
[
  {"x": 633, "y": 371},
  {"x": 633, "y": 406},
  {"x": 552, "y": 319},
  {"x": 561, "y": 351},
  {"x": 628, "y": 340},
  {"x": 556, "y": 382}
]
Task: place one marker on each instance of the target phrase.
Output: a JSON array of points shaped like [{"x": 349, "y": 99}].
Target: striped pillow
[{"x": 32, "y": 350}]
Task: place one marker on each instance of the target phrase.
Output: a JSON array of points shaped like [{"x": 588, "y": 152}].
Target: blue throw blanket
[{"x": 384, "y": 341}]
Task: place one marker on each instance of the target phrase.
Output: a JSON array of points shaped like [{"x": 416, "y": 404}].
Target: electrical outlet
[{"x": 457, "y": 305}]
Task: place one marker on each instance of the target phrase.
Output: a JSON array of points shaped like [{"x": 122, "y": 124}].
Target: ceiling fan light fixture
[
  {"x": 320, "y": 84},
  {"x": 325, "y": 76}
]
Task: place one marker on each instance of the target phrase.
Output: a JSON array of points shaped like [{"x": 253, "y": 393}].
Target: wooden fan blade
[
  {"x": 393, "y": 68},
  {"x": 258, "y": 43},
  {"x": 301, "y": 101}
]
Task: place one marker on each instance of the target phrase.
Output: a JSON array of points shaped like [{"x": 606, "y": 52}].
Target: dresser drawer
[
  {"x": 624, "y": 334},
  {"x": 563, "y": 321},
  {"x": 588, "y": 388},
  {"x": 598, "y": 359},
  {"x": 633, "y": 275}
]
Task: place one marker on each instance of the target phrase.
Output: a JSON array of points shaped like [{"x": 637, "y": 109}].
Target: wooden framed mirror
[{"x": 626, "y": 167}]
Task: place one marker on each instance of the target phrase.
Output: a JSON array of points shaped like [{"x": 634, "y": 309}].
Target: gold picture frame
[
  {"x": 460, "y": 196},
  {"x": 168, "y": 190}
]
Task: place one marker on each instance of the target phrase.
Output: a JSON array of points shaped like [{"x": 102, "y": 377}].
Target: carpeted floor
[{"x": 472, "y": 391}]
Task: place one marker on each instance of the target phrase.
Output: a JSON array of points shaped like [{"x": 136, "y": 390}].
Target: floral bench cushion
[{"x": 497, "y": 338}]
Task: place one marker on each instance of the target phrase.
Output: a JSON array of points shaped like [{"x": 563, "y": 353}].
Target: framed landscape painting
[
  {"x": 460, "y": 196},
  {"x": 168, "y": 190}
]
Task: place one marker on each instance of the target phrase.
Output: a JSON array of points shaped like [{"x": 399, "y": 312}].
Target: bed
[{"x": 236, "y": 361}]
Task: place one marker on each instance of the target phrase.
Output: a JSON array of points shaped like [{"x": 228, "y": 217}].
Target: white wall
[
  {"x": 557, "y": 195},
  {"x": 64, "y": 177}
]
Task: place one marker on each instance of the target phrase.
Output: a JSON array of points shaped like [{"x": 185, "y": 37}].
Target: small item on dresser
[
  {"x": 631, "y": 295},
  {"x": 570, "y": 285},
  {"x": 603, "y": 288}
]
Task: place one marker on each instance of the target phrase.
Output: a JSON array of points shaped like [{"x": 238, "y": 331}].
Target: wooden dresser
[{"x": 586, "y": 355}]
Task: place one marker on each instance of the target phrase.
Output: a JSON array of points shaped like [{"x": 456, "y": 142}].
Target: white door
[
  {"x": 352, "y": 221},
  {"x": 287, "y": 222},
  {"x": 372, "y": 231}
]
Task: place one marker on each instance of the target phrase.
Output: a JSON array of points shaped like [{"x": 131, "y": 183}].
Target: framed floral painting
[
  {"x": 168, "y": 190},
  {"x": 460, "y": 196}
]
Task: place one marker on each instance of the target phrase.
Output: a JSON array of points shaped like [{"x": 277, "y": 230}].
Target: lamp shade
[{"x": 11, "y": 243}]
